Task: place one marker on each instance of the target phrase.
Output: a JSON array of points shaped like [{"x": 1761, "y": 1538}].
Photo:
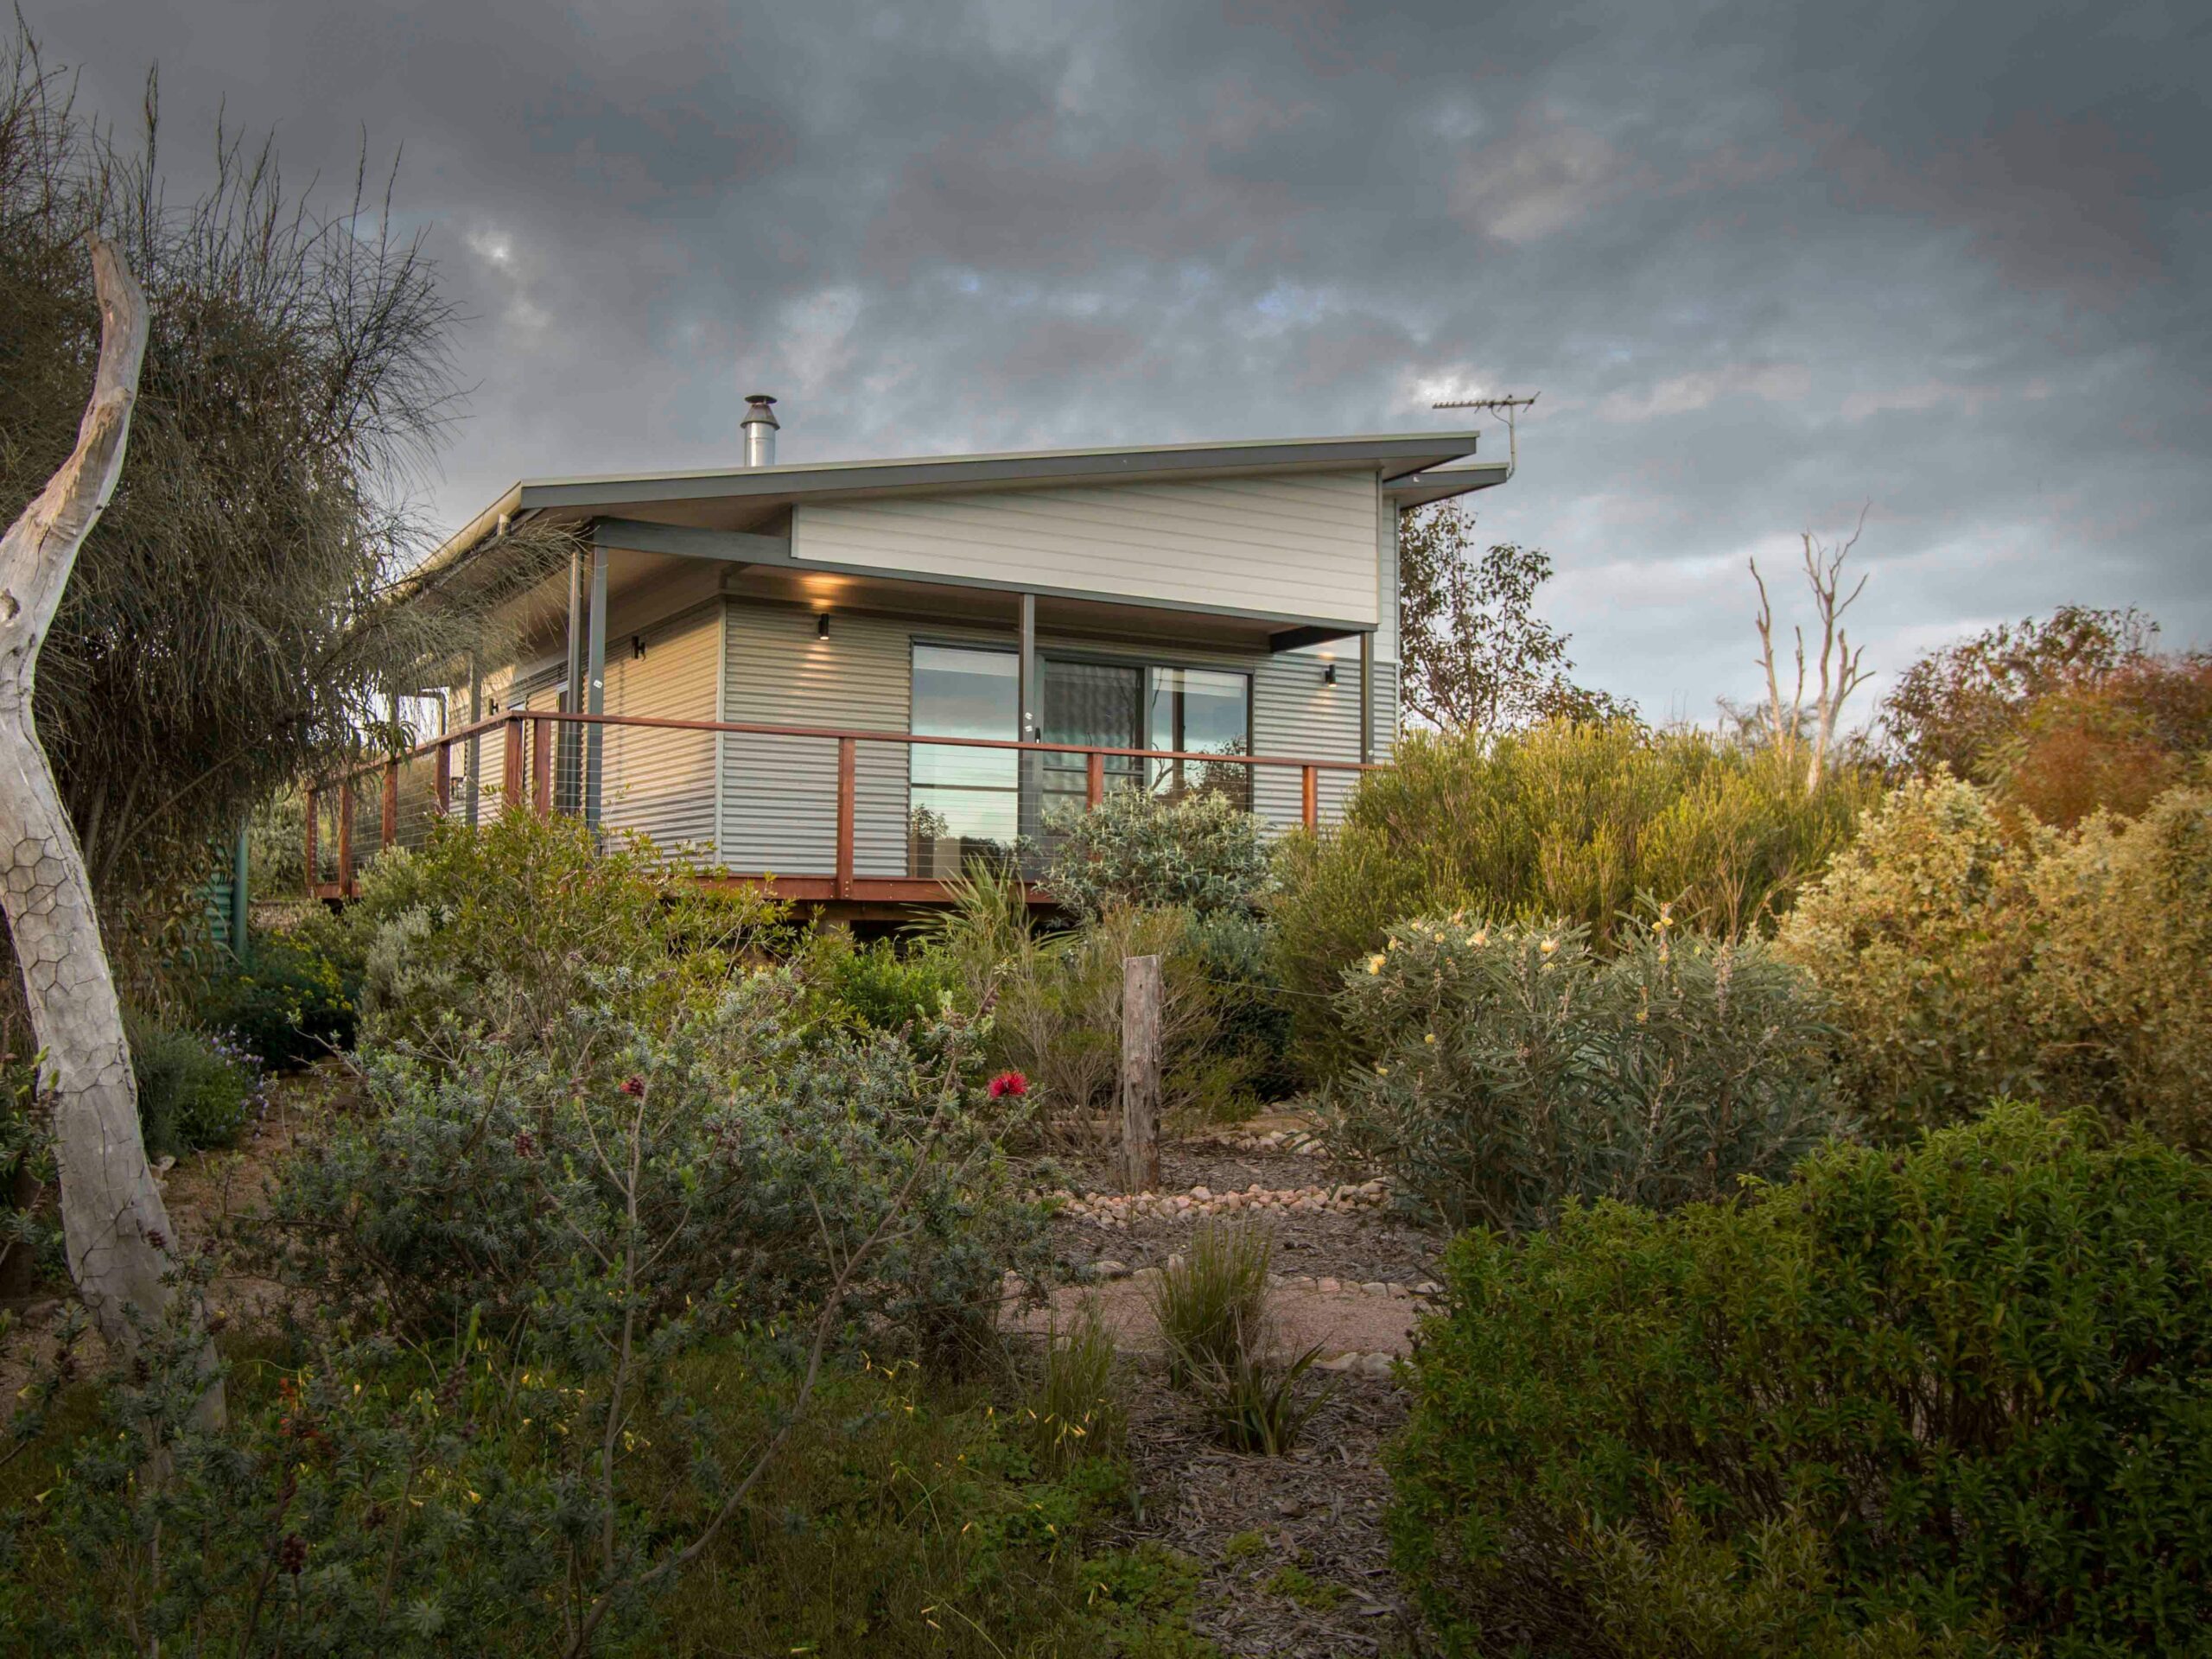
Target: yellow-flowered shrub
[{"x": 1964, "y": 957}]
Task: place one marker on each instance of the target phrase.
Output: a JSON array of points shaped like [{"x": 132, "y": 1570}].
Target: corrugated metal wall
[
  {"x": 779, "y": 794},
  {"x": 1313, "y": 537},
  {"x": 658, "y": 782}
]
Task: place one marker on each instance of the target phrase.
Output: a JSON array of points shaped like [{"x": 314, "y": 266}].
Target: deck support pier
[{"x": 475, "y": 744}]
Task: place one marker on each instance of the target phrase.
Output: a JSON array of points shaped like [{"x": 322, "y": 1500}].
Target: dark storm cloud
[{"x": 1769, "y": 264}]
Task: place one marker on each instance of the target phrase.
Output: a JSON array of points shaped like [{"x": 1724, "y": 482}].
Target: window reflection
[
  {"x": 964, "y": 802},
  {"x": 1201, "y": 711}
]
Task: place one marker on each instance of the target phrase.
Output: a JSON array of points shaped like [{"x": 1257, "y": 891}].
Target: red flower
[
  {"x": 1008, "y": 1082},
  {"x": 633, "y": 1087}
]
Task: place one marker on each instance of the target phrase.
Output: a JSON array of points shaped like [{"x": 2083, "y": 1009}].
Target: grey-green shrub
[
  {"x": 472, "y": 1182},
  {"x": 1956, "y": 1398},
  {"x": 1515, "y": 1070},
  {"x": 1582, "y": 823},
  {"x": 1199, "y": 852}
]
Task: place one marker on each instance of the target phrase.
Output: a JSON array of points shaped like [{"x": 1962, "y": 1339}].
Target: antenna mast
[{"x": 1511, "y": 407}]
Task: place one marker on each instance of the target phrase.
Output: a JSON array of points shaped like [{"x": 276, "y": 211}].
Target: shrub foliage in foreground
[
  {"x": 763, "y": 1155},
  {"x": 1515, "y": 1071},
  {"x": 1963, "y": 1388}
]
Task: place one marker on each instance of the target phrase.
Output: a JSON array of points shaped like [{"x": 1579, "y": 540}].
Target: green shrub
[
  {"x": 878, "y": 986},
  {"x": 1578, "y": 822},
  {"x": 1962, "y": 1388},
  {"x": 368, "y": 1498},
  {"x": 1516, "y": 1071},
  {"x": 506, "y": 927},
  {"x": 289, "y": 1004},
  {"x": 194, "y": 1091},
  {"x": 1199, "y": 852},
  {"x": 2120, "y": 995},
  {"x": 765, "y": 1153},
  {"x": 1961, "y": 955}
]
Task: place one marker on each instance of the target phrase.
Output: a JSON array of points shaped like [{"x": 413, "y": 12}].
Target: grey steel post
[
  {"x": 1028, "y": 693},
  {"x": 1366, "y": 698},
  {"x": 595, "y": 682}
]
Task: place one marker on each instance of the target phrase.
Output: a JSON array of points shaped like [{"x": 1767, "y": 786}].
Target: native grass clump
[
  {"x": 1516, "y": 1071},
  {"x": 1948, "y": 1400}
]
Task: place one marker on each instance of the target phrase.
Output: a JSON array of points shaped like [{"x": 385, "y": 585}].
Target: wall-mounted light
[
  {"x": 637, "y": 647},
  {"x": 1329, "y": 675},
  {"x": 822, "y": 626}
]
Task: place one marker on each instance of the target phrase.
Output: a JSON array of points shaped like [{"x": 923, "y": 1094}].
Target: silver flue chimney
[{"x": 760, "y": 424}]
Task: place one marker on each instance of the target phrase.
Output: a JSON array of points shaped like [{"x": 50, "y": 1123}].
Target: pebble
[{"x": 1115, "y": 1210}]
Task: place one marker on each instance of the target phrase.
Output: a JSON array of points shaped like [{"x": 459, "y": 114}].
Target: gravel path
[{"x": 1296, "y": 1560}]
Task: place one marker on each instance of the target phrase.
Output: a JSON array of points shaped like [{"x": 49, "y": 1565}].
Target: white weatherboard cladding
[
  {"x": 1299, "y": 546},
  {"x": 779, "y": 794},
  {"x": 653, "y": 781}
]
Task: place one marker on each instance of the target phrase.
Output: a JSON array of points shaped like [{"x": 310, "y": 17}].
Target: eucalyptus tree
[{"x": 1475, "y": 656}]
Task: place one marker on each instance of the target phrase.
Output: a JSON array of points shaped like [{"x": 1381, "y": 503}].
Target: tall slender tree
[
  {"x": 114, "y": 1224},
  {"x": 1475, "y": 655}
]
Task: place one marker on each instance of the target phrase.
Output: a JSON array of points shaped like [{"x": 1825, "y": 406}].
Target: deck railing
[{"x": 839, "y": 799}]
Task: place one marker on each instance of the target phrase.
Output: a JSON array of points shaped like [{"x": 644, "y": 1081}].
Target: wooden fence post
[
  {"x": 388, "y": 822},
  {"x": 1141, "y": 1074},
  {"x": 1094, "y": 779},
  {"x": 445, "y": 778},
  {"x": 1309, "y": 796}
]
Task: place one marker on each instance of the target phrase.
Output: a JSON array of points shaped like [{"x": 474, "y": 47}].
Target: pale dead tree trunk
[
  {"x": 1824, "y": 571},
  {"x": 1840, "y": 674},
  {"x": 113, "y": 1221}
]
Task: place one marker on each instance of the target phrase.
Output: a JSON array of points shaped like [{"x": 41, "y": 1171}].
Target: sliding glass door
[
  {"x": 1097, "y": 705},
  {"x": 971, "y": 803}
]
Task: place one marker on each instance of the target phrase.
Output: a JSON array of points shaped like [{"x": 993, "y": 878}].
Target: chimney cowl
[{"x": 759, "y": 426}]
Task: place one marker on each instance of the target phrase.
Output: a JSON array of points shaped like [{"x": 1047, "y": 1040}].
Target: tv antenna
[{"x": 1510, "y": 407}]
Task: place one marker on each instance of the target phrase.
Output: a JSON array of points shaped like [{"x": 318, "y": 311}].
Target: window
[
  {"x": 962, "y": 801},
  {"x": 1200, "y": 711},
  {"x": 966, "y": 803}
]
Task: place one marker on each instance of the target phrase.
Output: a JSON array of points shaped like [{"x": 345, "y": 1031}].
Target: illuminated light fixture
[
  {"x": 1329, "y": 675},
  {"x": 822, "y": 626}
]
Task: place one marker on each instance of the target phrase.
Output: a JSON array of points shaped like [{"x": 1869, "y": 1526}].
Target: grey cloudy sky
[{"x": 1766, "y": 262}]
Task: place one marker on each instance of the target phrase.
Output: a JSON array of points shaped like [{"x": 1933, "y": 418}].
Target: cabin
[{"x": 846, "y": 679}]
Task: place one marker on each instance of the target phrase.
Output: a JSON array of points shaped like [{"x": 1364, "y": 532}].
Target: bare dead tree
[
  {"x": 114, "y": 1223},
  {"x": 1838, "y": 664}
]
